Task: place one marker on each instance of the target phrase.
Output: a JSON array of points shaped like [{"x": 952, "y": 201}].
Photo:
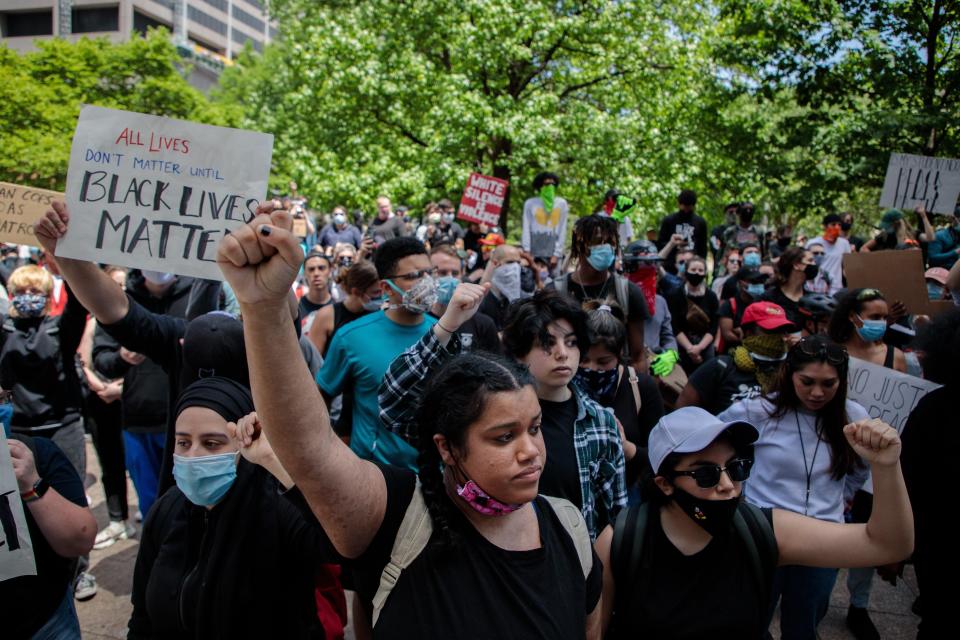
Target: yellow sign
[{"x": 20, "y": 208}]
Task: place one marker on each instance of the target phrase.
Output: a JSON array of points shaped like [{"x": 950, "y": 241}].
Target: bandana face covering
[
  {"x": 481, "y": 501},
  {"x": 547, "y": 194},
  {"x": 506, "y": 278},
  {"x": 29, "y": 305},
  {"x": 599, "y": 385},
  {"x": 645, "y": 277}
]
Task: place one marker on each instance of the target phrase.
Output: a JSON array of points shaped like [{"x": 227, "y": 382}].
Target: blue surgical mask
[
  {"x": 601, "y": 257},
  {"x": 204, "y": 480},
  {"x": 446, "y": 285},
  {"x": 872, "y": 330},
  {"x": 934, "y": 291},
  {"x": 373, "y": 304},
  {"x": 751, "y": 260},
  {"x": 755, "y": 290}
]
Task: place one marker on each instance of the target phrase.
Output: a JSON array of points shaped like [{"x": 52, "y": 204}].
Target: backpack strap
[
  {"x": 753, "y": 528},
  {"x": 621, "y": 287},
  {"x": 634, "y": 381},
  {"x": 412, "y": 537},
  {"x": 575, "y": 526},
  {"x": 626, "y": 552}
]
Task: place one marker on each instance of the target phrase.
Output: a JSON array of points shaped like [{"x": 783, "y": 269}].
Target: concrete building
[{"x": 209, "y": 33}]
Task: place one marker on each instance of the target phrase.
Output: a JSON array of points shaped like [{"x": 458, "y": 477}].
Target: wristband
[
  {"x": 444, "y": 328},
  {"x": 36, "y": 492},
  {"x": 29, "y": 496}
]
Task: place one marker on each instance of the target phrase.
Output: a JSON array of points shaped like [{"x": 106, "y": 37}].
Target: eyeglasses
[
  {"x": 708, "y": 476},
  {"x": 413, "y": 275},
  {"x": 733, "y": 261},
  {"x": 869, "y": 294},
  {"x": 815, "y": 347}
]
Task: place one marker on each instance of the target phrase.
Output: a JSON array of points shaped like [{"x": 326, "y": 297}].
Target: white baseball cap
[{"x": 692, "y": 429}]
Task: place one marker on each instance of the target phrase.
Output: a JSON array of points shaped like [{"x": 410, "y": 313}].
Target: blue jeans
[
  {"x": 143, "y": 454},
  {"x": 805, "y": 596},
  {"x": 63, "y": 624},
  {"x": 859, "y": 583}
]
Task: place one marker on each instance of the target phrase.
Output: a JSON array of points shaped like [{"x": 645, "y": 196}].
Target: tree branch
[
  {"x": 547, "y": 58},
  {"x": 402, "y": 130}
]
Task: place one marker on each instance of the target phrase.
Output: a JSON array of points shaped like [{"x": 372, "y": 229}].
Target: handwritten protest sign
[
  {"x": 157, "y": 193},
  {"x": 885, "y": 393},
  {"x": 921, "y": 180},
  {"x": 16, "y": 548},
  {"x": 483, "y": 199},
  {"x": 897, "y": 274},
  {"x": 20, "y": 208}
]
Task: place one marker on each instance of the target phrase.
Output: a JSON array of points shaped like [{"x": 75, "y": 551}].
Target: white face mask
[
  {"x": 339, "y": 219},
  {"x": 158, "y": 277},
  {"x": 506, "y": 278}
]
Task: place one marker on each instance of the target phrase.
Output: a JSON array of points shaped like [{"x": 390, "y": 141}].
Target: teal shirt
[{"x": 358, "y": 358}]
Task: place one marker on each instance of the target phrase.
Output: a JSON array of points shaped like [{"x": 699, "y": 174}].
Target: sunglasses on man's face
[{"x": 708, "y": 476}]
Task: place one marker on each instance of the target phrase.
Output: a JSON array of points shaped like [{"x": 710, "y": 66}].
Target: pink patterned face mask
[{"x": 482, "y": 502}]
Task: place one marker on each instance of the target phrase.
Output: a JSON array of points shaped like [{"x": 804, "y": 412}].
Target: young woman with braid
[{"x": 501, "y": 566}]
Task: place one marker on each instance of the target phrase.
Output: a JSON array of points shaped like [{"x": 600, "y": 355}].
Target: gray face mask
[
  {"x": 418, "y": 298},
  {"x": 507, "y": 280}
]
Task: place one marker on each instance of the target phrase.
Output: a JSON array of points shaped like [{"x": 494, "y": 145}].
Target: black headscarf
[{"x": 230, "y": 399}]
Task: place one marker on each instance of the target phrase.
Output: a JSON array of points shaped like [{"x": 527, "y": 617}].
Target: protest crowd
[{"x": 601, "y": 431}]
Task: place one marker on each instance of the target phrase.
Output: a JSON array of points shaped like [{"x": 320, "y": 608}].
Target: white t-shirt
[
  {"x": 779, "y": 475},
  {"x": 833, "y": 260}
]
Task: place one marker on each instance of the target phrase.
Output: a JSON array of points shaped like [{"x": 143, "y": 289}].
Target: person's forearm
[
  {"x": 277, "y": 471},
  {"x": 67, "y": 527},
  {"x": 890, "y": 525},
  {"x": 684, "y": 341},
  {"x": 298, "y": 425},
  {"x": 95, "y": 290},
  {"x": 705, "y": 341}
]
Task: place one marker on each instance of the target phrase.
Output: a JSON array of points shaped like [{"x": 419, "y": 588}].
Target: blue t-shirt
[{"x": 358, "y": 357}]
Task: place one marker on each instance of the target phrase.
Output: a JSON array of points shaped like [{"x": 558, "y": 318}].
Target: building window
[
  {"x": 143, "y": 22},
  {"x": 207, "y": 21},
  {"x": 26, "y": 23},
  {"x": 96, "y": 19},
  {"x": 248, "y": 19},
  {"x": 218, "y": 4}
]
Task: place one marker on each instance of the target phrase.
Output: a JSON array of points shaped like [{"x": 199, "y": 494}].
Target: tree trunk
[
  {"x": 930, "y": 79},
  {"x": 501, "y": 170}
]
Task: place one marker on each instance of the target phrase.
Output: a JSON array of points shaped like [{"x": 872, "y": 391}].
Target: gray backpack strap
[
  {"x": 621, "y": 285},
  {"x": 562, "y": 284},
  {"x": 634, "y": 381},
  {"x": 412, "y": 537},
  {"x": 575, "y": 526}
]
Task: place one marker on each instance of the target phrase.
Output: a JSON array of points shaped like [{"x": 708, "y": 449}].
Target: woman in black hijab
[{"x": 224, "y": 540}]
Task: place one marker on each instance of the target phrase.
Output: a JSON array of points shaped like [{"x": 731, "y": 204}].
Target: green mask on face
[{"x": 547, "y": 193}]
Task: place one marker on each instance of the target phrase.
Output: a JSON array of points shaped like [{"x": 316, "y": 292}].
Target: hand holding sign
[
  {"x": 52, "y": 226},
  {"x": 262, "y": 258},
  {"x": 24, "y": 466}
]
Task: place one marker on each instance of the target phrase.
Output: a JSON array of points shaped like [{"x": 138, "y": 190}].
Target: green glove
[
  {"x": 625, "y": 207},
  {"x": 664, "y": 363}
]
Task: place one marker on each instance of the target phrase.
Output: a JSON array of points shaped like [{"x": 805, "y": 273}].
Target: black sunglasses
[
  {"x": 813, "y": 347},
  {"x": 708, "y": 476}
]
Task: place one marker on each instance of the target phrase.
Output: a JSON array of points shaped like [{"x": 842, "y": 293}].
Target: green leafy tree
[{"x": 41, "y": 94}]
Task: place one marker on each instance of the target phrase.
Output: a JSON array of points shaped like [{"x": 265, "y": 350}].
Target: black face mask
[
  {"x": 714, "y": 516},
  {"x": 528, "y": 282},
  {"x": 783, "y": 243},
  {"x": 746, "y": 218},
  {"x": 810, "y": 271},
  {"x": 846, "y": 226},
  {"x": 695, "y": 278}
]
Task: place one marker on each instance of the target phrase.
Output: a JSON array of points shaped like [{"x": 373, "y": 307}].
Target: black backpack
[{"x": 630, "y": 564}]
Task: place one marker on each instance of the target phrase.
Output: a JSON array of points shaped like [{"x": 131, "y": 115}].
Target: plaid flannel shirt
[{"x": 596, "y": 437}]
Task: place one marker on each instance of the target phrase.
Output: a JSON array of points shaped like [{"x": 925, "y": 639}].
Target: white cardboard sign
[
  {"x": 886, "y": 394},
  {"x": 16, "y": 548},
  {"x": 921, "y": 180},
  {"x": 157, "y": 193}
]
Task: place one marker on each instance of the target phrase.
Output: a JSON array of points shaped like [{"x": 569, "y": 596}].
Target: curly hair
[
  {"x": 455, "y": 398},
  {"x": 791, "y": 257},
  {"x": 527, "y": 321},
  {"x": 589, "y": 229}
]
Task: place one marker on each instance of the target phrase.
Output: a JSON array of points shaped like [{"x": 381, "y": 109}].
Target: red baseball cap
[
  {"x": 766, "y": 315},
  {"x": 492, "y": 240}
]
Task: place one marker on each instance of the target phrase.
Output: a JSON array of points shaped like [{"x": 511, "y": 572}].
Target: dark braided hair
[
  {"x": 589, "y": 229},
  {"x": 454, "y": 399}
]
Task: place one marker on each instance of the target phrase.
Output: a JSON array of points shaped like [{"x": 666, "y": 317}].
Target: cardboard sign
[
  {"x": 921, "y": 180},
  {"x": 16, "y": 548},
  {"x": 20, "y": 208},
  {"x": 897, "y": 274},
  {"x": 886, "y": 394},
  {"x": 300, "y": 227},
  {"x": 483, "y": 199},
  {"x": 157, "y": 193}
]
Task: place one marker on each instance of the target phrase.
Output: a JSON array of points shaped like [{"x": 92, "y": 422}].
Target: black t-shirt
[
  {"x": 495, "y": 308},
  {"x": 790, "y": 307},
  {"x": 636, "y": 304},
  {"x": 561, "y": 477},
  {"x": 720, "y": 383},
  {"x": 725, "y": 310},
  {"x": 709, "y": 304},
  {"x": 690, "y": 226},
  {"x": 477, "y": 590},
  {"x": 637, "y": 424},
  {"x": 710, "y": 594},
  {"x": 35, "y": 598},
  {"x": 307, "y": 307},
  {"x": 479, "y": 333}
]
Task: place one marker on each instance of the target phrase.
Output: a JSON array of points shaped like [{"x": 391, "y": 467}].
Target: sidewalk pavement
[{"x": 105, "y": 616}]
